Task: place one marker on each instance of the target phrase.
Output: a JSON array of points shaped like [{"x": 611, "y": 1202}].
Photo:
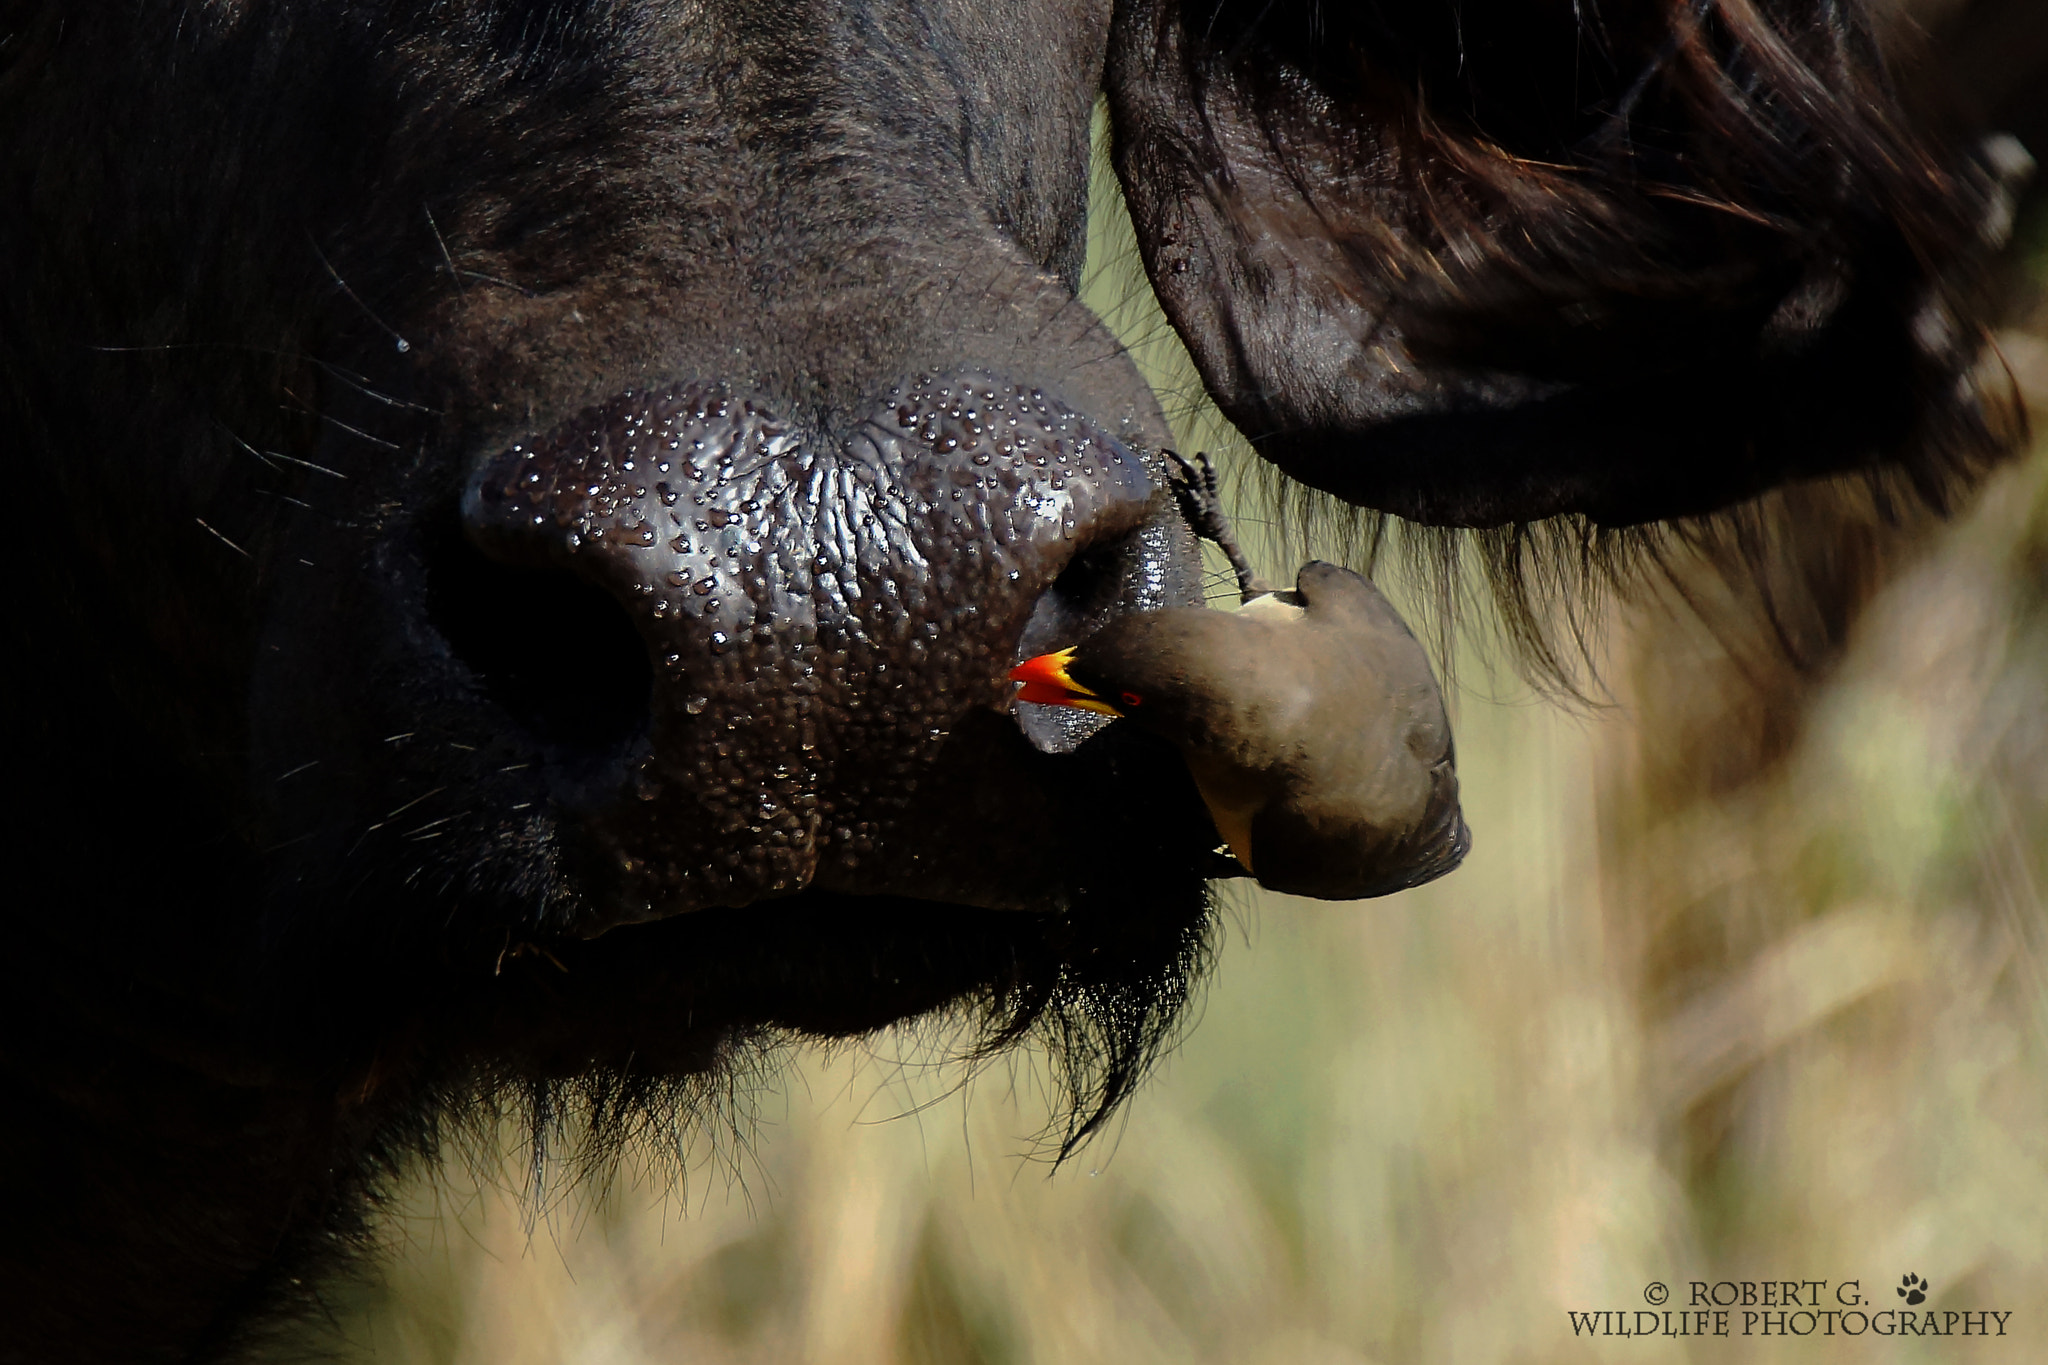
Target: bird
[{"x": 1310, "y": 721}]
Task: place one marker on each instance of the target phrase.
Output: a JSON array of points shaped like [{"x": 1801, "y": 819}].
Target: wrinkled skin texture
[
  {"x": 385, "y": 743},
  {"x": 778, "y": 586}
]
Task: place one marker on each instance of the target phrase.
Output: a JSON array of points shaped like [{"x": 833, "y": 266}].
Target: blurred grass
[{"x": 1785, "y": 1025}]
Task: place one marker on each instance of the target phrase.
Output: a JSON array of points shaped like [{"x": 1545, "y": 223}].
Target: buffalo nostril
[
  {"x": 1094, "y": 587},
  {"x": 1084, "y": 596},
  {"x": 558, "y": 655}
]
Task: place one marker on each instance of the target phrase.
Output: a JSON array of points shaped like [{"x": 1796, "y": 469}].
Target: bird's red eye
[{"x": 1131, "y": 699}]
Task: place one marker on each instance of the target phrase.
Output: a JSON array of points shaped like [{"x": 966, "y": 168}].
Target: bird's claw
[
  {"x": 1194, "y": 488},
  {"x": 1195, "y": 491}
]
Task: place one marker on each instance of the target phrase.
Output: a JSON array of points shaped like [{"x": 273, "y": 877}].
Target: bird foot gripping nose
[{"x": 1193, "y": 483}]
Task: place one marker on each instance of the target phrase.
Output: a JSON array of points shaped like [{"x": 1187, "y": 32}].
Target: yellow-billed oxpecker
[{"x": 1309, "y": 720}]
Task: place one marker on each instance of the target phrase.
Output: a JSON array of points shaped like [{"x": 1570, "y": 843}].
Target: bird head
[{"x": 1049, "y": 681}]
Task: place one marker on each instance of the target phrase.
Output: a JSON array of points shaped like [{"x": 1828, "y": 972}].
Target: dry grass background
[{"x": 1746, "y": 979}]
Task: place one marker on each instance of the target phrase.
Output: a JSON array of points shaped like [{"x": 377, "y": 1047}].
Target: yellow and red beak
[{"x": 1046, "y": 682}]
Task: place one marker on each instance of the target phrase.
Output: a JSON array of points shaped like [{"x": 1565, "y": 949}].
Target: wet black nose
[{"x": 819, "y": 611}]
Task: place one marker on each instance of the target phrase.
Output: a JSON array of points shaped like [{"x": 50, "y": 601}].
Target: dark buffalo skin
[{"x": 522, "y": 510}]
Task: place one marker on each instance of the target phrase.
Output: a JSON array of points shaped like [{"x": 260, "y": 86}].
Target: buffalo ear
[{"x": 1480, "y": 261}]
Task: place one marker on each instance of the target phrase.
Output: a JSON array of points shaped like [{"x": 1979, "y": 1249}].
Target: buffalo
[{"x": 529, "y": 507}]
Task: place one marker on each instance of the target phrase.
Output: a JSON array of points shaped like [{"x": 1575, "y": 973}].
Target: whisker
[
  {"x": 223, "y": 539},
  {"x": 442, "y": 242},
  {"x": 364, "y": 389},
  {"x": 262, "y": 457},
  {"x": 394, "y": 814},
  {"x": 518, "y": 289},
  {"x": 332, "y": 420},
  {"x": 403, "y": 344},
  {"x": 304, "y": 464}
]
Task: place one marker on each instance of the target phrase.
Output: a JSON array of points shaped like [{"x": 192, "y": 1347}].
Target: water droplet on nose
[
  {"x": 704, "y": 585},
  {"x": 719, "y": 640},
  {"x": 695, "y": 705}
]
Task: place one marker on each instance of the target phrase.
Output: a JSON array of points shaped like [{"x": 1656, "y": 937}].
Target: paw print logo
[{"x": 1913, "y": 1289}]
